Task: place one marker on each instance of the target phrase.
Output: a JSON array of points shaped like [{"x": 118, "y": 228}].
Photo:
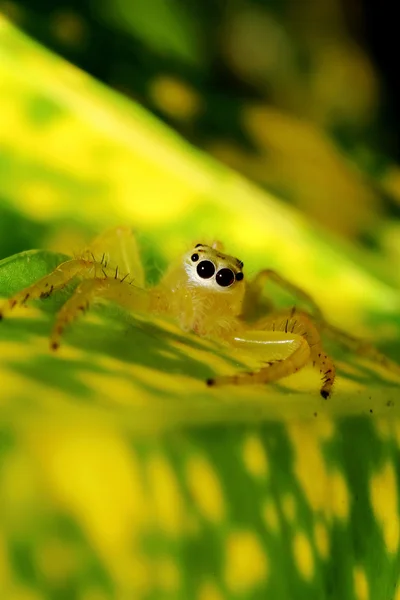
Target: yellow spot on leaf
[
  {"x": 303, "y": 555},
  {"x": 254, "y": 456},
  {"x": 361, "y": 587},
  {"x": 384, "y": 428},
  {"x": 270, "y": 516},
  {"x": 41, "y": 198},
  {"x": 116, "y": 389},
  {"x": 166, "y": 495},
  {"x": 310, "y": 467},
  {"x": 288, "y": 504},
  {"x": 209, "y": 591},
  {"x": 175, "y": 98},
  {"x": 246, "y": 563},
  {"x": 325, "y": 491},
  {"x": 321, "y": 539},
  {"x": 384, "y": 500},
  {"x": 95, "y": 476},
  {"x": 325, "y": 428},
  {"x": 340, "y": 500},
  {"x": 168, "y": 575},
  {"x": 205, "y": 488}
]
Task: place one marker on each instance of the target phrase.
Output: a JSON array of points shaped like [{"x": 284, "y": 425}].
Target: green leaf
[
  {"x": 121, "y": 474},
  {"x": 165, "y": 25}
]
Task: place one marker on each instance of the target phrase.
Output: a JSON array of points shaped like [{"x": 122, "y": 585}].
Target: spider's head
[{"x": 209, "y": 268}]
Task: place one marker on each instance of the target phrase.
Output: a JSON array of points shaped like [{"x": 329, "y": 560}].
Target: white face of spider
[{"x": 208, "y": 268}]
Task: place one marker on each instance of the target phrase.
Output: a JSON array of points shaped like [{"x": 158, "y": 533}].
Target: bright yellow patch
[
  {"x": 254, "y": 456},
  {"x": 40, "y": 198},
  {"x": 105, "y": 473},
  {"x": 384, "y": 500},
  {"x": 339, "y": 495},
  {"x": 205, "y": 488},
  {"x": 288, "y": 504},
  {"x": 325, "y": 428},
  {"x": 321, "y": 538},
  {"x": 166, "y": 495},
  {"x": 384, "y": 428},
  {"x": 325, "y": 492},
  {"x": 168, "y": 575},
  {"x": 209, "y": 591},
  {"x": 309, "y": 467},
  {"x": 303, "y": 555},
  {"x": 175, "y": 98},
  {"x": 361, "y": 587},
  {"x": 115, "y": 389},
  {"x": 397, "y": 593},
  {"x": 246, "y": 563},
  {"x": 271, "y": 517}
]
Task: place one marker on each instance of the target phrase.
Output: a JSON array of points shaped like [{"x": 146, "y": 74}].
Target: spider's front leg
[
  {"x": 105, "y": 266},
  {"x": 43, "y": 288},
  {"x": 92, "y": 290},
  {"x": 290, "y": 340},
  {"x": 255, "y": 288}
]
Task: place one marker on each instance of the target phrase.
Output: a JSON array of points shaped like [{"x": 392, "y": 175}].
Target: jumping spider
[{"x": 207, "y": 293}]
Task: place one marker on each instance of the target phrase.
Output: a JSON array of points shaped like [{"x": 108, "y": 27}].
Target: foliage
[{"x": 121, "y": 474}]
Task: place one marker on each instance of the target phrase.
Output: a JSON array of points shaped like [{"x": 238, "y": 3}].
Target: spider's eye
[
  {"x": 205, "y": 269},
  {"x": 225, "y": 277},
  {"x": 194, "y": 257},
  {"x": 239, "y": 276}
]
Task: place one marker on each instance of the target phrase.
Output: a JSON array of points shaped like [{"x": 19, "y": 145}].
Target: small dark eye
[
  {"x": 225, "y": 277},
  {"x": 205, "y": 269},
  {"x": 239, "y": 276},
  {"x": 194, "y": 257}
]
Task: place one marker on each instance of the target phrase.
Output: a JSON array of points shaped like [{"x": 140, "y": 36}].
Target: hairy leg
[
  {"x": 92, "y": 290},
  {"x": 117, "y": 249},
  {"x": 255, "y": 290},
  {"x": 300, "y": 322},
  {"x": 253, "y": 300},
  {"x": 112, "y": 254},
  {"x": 360, "y": 347},
  {"x": 290, "y": 353},
  {"x": 62, "y": 275},
  {"x": 280, "y": 333}
]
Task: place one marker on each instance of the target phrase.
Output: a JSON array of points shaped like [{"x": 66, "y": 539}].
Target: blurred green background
[{"x": 286, "y": 92}]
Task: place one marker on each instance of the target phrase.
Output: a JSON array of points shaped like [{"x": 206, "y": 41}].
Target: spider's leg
[
  {"x": 294, "y": 340},
  {"x": 91, "y": 290},
  {"x": 256, "y": 286},
  {"x": 289, "y": 353},
  {"x": 360, "y": 347},
  {"x": 117, "y": 249},
  {"x": 48, "y": 284},
  {"x": 300, "y": 322}
]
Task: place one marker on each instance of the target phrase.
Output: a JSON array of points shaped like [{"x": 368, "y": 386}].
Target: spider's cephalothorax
[
  {"x": 209, "y": 268},
  {"x": 206, "y": 292},
  {"x": 202, "y": 288}
]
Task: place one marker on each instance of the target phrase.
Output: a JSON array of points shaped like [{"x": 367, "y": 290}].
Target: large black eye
[
  {"x": 205, "y": 269},
  {"x": 225, "y": 277},
  {"x": 194, "y": 257}
]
